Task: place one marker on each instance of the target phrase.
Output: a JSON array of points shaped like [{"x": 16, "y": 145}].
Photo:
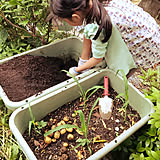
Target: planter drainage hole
[
  {"x": 22, "y": 107},
  {"x": 115, "y": 141},
  {"x": 26, "y": 100}
]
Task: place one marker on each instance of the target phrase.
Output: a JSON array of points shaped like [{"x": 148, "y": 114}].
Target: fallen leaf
[
  {"x": 96, "y": 115},
  {"x": 96, "y": 107},
  {"x": 36, "y": 143}
]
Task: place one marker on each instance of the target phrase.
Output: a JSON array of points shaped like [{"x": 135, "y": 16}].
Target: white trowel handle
[{"x": 106, "y": 86}]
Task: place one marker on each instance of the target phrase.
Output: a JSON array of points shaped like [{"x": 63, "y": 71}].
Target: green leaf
[
  {"x": 142, "y": 156},
  {"x": 140, "y": 148},
  {"x": 3, "y": 35},
  {"x": 82, "y": 119},
  {"x": 36, "y": 13},
  {"x": 24, "y": 23},
  {"x": 82, "y": 92},
  {"x": 41, "y": 124},
  {"x": 157, "y": 124},
  {"x": 30, "y": 126},
  {"x": 61, "y": 127},
  {"x": 147, "y": 142},
  {"x": 14, "y": 151},
  {"x": 152, "y": 131},
  {"x": 13, "y": 2},
  {"x": 155, "y": 155},
  {"x": 95, "y": 88},
  {"x": 142, "y": 138},
  {"x": 89, "y": 117}
]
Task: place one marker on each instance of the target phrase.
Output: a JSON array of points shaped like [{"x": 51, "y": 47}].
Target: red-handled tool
[
  {"x": 106, "y": 103},
  {"x": 106, "y": 86}
]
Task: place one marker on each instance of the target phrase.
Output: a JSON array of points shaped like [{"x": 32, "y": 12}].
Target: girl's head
[{"x": 74, "y": 12}]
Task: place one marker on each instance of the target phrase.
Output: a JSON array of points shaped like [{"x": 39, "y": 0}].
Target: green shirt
[{"x": 115, "y": 51}]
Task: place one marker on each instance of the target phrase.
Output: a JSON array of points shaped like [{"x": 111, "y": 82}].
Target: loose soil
[
  {"x": 99, "y": 129},
  {"x": 27, "y": 75}
]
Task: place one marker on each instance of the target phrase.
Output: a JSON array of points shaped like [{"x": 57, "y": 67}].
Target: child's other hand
[{"x": 73, "y": 72}]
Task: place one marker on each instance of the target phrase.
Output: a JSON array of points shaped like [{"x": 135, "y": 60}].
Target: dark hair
[{"x": 65, "y": 9}]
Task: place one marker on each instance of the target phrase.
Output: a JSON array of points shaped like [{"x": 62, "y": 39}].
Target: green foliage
[
  {"x": 148, "y": 143},
  {"x": 151, "y": 77},
  {"x": 84, "y": 127},
  {"x": 9, "y": 149},
  {"x": 23, "y": 26}
]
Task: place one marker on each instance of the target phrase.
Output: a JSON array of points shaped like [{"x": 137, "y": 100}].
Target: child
[{"x": 138, "y": 30}]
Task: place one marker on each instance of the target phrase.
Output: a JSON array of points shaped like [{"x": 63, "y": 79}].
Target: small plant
[
  {"x": 36, "y": 125},
  {"x": 84, "y": 94},
  {"x": 84, "y": 128},
  {"x": 126, "y": 95},
  {"x": 151, "y": 77}
]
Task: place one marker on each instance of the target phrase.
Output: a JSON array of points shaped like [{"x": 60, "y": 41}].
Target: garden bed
[
  {"x": 52, "y": 105},
  {"x": 20, "y": 86},
  {"x": 100, "y": 131},
  {"x": 27, "y": 75}
]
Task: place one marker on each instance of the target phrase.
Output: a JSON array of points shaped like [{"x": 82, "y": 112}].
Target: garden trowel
[{"x": 105, "y": 103}]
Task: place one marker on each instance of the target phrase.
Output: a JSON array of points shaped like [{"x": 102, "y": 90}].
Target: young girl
[{"x": 138, "y": 30}]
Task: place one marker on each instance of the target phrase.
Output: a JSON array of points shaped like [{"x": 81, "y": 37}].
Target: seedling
[
  {"x": 84, "y": 128},
  {"x": 84, "y": 94},
  {"x": 126, "y": 95},
  {"x": 36, "y": 125}
]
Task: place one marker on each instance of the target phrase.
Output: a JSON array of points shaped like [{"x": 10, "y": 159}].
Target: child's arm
[
  {"x": 86, "y": 51},
  {"x": 87, "y": 46},
  {"x": 89, "y": 64}
]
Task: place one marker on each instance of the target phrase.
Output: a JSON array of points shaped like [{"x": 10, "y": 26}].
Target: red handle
[{"x": 106, "y": 86}]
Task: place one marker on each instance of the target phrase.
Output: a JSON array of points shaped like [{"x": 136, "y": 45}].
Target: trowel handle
[{"x": 106, "y": 86}]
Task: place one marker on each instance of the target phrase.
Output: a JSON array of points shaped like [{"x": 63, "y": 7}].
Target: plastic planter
[
  {"x": 69, "y": 47},
  {"x": 41, "y": 107}
]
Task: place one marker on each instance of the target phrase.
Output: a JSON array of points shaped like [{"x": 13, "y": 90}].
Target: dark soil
[
  {"x": 106, "y": 130},
  {"x": 27, "y": 75}
]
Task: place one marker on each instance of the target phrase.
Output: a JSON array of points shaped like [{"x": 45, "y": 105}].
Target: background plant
[
  {"x": 9, "y": 149},
  {"x": 23, "y": 26},
  {"x": 145, "y": 143}
]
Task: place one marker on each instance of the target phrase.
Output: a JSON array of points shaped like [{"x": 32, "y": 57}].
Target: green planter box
[{"x": 41, "y": 107}]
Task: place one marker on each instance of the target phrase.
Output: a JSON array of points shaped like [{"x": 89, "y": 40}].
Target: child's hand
[
  {"x": 81, "y": 62},
  {"x": 73, "y": 72}
]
